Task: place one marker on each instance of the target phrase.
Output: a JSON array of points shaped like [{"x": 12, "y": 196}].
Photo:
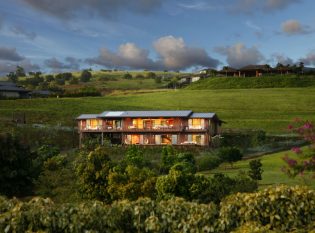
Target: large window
[
  {"x": 93, "y": 123},
  {"x": 196, "y": 123},
  {"x": 196, "y": 139},
  {"x": 166, "y": 139}
]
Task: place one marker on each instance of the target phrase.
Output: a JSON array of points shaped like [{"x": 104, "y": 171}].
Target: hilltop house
[
  {"x": 151, "y": 127},
  {"x": 11, "y": 90}
]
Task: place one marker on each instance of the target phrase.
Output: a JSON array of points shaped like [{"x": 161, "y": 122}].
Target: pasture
[{"x": 268, "y": 109}]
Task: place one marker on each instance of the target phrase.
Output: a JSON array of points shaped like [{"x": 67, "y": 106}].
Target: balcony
[
  {"x": 195, "y": 128},
  {"x": 132, "y": 128}
]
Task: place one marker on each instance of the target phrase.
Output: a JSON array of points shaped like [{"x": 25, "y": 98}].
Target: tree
[
  {"x": 85, "y": 76},
  {"x": 305, "y": 165},
  {"x": 16, "y": 169},
  {"x": 92, "y": 173},
  {"x": 230, "y": 154},
  {"x": 256, "y": 170},
  {"x": 20, "y": 71},
  {"x": 131, "y": 183},
  {"x": 49, "y": 78},
  {"x": 127, "y": 76},
  {"x": 151, "y": 75},
  {"x": 13, "y": 77},
  {"x": 158, "y": 79}
]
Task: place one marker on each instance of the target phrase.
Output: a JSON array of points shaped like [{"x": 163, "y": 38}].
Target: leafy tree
[
  {"x": 176, "y": 183},
  {"x": 127, "y": 76},
  {"x": 134, "y": 156},
  {"x": 92, "y": 172},
  {"x": 16, "y": 170},
  {"x": 305, "y": 166},
  {"x": 151, "y": 75},
  {"x": 230, "y": 154},
  {"x": 139, "y": 76},
  {"x": 13, "y": 77},
  {"x": 131, "y": 183},
  {"x": 85, "y": 76},
  {"x": 49, "y": 78},
  {"x": 158, "y": 79},
  {"x": 256, "y": 170},
  {"x": 20, "y": 72}
]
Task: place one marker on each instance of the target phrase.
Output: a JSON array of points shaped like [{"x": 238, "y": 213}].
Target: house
[
  {"x": 254, "y": 70},
  {"x": 229, "y": 72},
  {"x": 11, "y": 90},
  {"x": 151, "y": 127}
]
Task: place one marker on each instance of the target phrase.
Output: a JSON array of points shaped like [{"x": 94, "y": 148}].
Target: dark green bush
[{"x": 207, "y": 162}]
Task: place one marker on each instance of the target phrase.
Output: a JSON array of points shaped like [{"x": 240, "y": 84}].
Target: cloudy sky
[{"x": 64, "y": 35}]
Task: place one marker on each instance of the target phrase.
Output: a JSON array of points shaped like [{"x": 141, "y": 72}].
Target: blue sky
[{"x": 59, "y": 35}]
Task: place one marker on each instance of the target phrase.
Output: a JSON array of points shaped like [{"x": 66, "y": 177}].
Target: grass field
[
  {"x": 277, "y": 81},
  {"x": 272, "y": 174},
  {"x": 268, "y": 109}
]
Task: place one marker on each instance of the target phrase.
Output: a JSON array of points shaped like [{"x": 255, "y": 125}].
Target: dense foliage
[
  {"x": 306, "y": 130},
  {"x": 230, "y": 154},
  {"x": 278, "y": 209},
  {"x": 16, "y": 167},
  {"x": 256, "y": 170}
]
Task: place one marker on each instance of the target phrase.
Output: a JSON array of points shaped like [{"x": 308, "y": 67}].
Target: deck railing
[{"x": 133, "y": 128}]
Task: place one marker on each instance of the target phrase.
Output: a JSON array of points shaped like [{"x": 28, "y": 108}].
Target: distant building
[
  {"x": 254, "y": 70},
  {"x": 11, "y": 90}
]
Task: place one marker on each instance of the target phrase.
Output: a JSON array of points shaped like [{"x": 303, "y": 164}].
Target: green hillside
[
  {"x": 278, "y": 81},
  {"x": 272, "y": 174},
  {"x": 269, "y": 109}
]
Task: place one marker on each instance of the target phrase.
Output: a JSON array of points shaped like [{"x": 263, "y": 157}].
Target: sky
[{"x": 178, "y": 35}]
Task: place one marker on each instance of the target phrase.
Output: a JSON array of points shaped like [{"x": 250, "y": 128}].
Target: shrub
[
  {"x": 230, "y": 154},
  {"x": 85, "y": 76},
  {"x": 16, "y": 169},
  {"x": 207, "y": 162},
  {"x": 279, "y": 208},
  {"x": 92, "y": 172},
  {"x": 255, "y": 169}
]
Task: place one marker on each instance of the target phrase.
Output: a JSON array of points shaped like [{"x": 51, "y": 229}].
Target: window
[
  {"x": 174, "y": 139},
  {"x": 166, "y": 139},
  {"x": 93, "y": 123},
  {"x": 196, "y": 123}
]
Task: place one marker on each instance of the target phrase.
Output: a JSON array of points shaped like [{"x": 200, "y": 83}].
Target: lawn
[
  {"x": 268, "y": 109},
  {"x": 272, "y": 174}
]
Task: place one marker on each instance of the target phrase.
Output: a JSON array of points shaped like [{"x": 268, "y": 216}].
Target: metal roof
[
  {"x": 13, "y": 88},
  {"x": 202, "y": 115},
  {"x": 87, "y": 116},
  {"x": 6, "y": 83},
  {"x": 125, "y": 114}
]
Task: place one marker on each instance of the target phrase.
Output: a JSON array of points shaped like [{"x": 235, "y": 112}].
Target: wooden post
[{"x": 102, "y": 138}]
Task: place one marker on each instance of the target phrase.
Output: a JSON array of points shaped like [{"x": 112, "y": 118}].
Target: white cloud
[
  {"x": 294, "y": 27},
  {"x": 239, "y": 55},
  {"x": 173, "y": 54}
]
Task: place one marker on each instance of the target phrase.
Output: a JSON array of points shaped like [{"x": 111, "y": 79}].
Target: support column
[{"x": 102, "y": 138}]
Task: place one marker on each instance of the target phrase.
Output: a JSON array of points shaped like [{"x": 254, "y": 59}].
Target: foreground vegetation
[{"x": 280, "y": 209}]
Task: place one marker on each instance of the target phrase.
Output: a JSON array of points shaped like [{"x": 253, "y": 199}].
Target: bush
[
  {"x": 230, "y": 154},
  {"x": 85, "y": 76},
  {"x": 207, "y": 162},
  {"x": 276, "y": 209},
  {"x": 279, "y": 208},
  {"x": 16, "y": 169},
  {"x": 255, "y": 169}
]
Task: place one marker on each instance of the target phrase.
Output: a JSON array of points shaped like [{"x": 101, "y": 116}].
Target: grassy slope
[
  {"x": 253, "y": 82},
  {"x": 268, "y": 109},
  {"x": 272, "y": 174},
  {"x": 114, "y": 80}
]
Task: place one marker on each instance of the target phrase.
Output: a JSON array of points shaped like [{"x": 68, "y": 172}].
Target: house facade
[{"x": 151, "y": 127}]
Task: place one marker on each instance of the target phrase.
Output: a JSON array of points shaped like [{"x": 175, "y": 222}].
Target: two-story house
[{"x": 151, "y": 127}]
